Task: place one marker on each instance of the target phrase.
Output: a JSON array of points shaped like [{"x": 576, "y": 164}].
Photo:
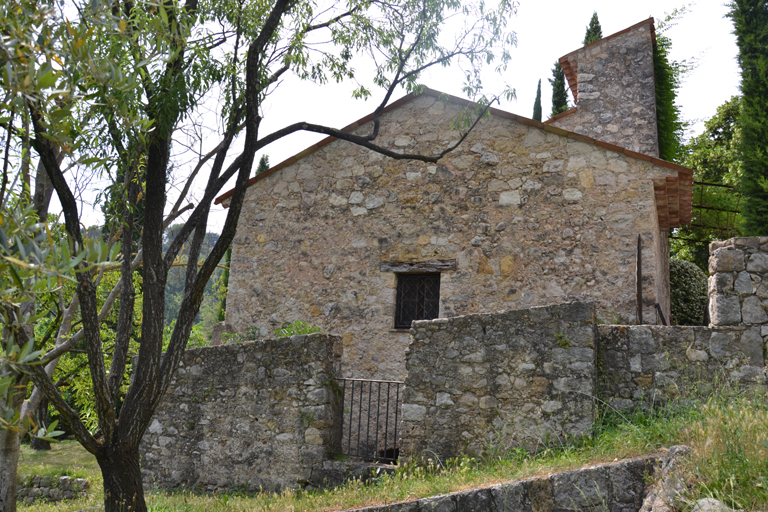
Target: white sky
[{"x": 546, "y": 30}]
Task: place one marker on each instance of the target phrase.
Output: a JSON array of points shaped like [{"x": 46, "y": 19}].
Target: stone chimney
[{"x": 612, "y": 81}]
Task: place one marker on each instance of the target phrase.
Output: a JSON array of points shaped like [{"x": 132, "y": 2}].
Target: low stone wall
[
  {"x": 515, "y": 378},
  {"x": 256, "y": 415},
  {"x": 50, "y": 489},
  {"x": 618, "y": 486},
  {"x": 649, "y": 364}
]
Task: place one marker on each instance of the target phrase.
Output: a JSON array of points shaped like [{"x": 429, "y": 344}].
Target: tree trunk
[
  {"x": 42, "y": 421},
  {"x": 9, "y": 460},
  {"x": 123, "y": 491}
]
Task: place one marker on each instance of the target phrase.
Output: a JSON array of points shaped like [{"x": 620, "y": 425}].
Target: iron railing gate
[{"x": 371, "y": 412}]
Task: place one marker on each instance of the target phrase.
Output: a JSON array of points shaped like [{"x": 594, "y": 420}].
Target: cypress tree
[
  {"x": 594, "y": 31},
  {"x": 263, "y": 165},
  {"x": 537, "y": 104},
  {"x": 559, "y": 96},
  {"x": 750, "y": 20}
]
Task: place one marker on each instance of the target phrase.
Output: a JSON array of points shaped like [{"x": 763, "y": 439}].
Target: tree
[
  {"x": 750, "y": 21},
  {"x": 559, "y": 94},
  {"x": 594, "y": 31},
  {"x": 263, "y": 165},
  {"x": 668, "y": 74},
  {"x": 537, "y": 104},
  {"x": 111, "y": 90},
  {"x": 714, "y": 157}
]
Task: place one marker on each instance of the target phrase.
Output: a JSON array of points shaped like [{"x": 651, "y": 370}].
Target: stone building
[{"x": 520, "y": 214}]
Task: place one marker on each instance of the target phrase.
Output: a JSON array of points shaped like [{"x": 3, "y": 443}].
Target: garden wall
[
  {"x": 522, "y": 377},
  {"x": 253, "y": 415},
  {"x": 646, "y": 364}
]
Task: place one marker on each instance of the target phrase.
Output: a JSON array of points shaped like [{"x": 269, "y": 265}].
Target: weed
[{"x": 562, "y": 341}]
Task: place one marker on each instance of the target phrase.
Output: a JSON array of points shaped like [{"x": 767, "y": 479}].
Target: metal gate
[{"x": 371, "y": 412}]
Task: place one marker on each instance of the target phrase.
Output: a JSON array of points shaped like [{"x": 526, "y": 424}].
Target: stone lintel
[{"x": 421, "y": 266}]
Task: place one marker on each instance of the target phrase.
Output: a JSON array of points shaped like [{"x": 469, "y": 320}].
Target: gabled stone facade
[{"x": 521, "y": 214}]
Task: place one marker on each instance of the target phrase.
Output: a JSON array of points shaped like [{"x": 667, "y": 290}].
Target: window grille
[{"x": 418, "y": 298}]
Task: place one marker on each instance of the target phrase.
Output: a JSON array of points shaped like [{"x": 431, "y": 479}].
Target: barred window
[{"x": 418, "y": 298}]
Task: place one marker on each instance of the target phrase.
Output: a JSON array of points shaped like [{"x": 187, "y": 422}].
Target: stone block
[
  {"x": 583, "y": 489},
  {"x": 743, "y": 284},
  {"x": 510, "y": 497},
  {"x": 725, "y": 310},
  {"x": 726, "y": 259},
  {"x": 751, "y": 345},
  {"x": 758, "y": 263},
  {"x": 752, "y": 311},
  {"x": 722, "y": 282},
  {"x": 475, "y": 500},
  {"x": 414, "y": 412}
]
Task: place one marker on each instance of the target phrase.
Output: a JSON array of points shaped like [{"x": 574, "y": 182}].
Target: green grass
[{"x": 728, "y": 434}]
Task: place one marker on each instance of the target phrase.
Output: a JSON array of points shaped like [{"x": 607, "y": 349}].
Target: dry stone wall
[
  {"x": 641, "y": 365},
  {"x": 738, "y": 284},
  {"x": 516, "y": 378},
  {"x": 528, "y": 217},
  {"x": 50, "y": 489},
  {"x": 615, "y": 91},
  {"x": 256, "y": 415}
]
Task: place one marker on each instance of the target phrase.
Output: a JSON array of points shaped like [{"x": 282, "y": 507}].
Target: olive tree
[{"x": 108, "y": 86}]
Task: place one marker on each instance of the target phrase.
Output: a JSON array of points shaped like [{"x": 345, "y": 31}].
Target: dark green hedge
[{"x": 688, "y": 286}]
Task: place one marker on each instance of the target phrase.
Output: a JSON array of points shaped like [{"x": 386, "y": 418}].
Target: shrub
[
  {"x": 298, "y": 327},
  {"x": 688, "y": 285}
]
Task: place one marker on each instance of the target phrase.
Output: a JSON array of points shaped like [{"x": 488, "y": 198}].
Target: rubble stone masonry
[
  {"x": 614, "y": 87},
  {"x": 519, "y": 378},
  {"x": 256, "y": 415},
  {"x": 523, "y": 215}
]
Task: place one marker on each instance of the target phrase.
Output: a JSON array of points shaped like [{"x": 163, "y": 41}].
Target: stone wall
[
  {"x": 650, "y": 364},
  {"x": 738, "y": 284},
  {"x": 49, "y": 489},
  {"x": 619, "y": 486},
  {"x": 516, "y": 378},
  {"x": 252, "y": 415},
  {"x": 528, "y": 216},
  {"x": 612, "y": 81}
]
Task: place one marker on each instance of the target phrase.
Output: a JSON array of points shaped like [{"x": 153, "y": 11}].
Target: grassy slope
[{"x": 729, "y": 435}]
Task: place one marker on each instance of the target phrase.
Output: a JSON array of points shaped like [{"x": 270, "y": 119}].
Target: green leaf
[{"x": 46, "y": 80}]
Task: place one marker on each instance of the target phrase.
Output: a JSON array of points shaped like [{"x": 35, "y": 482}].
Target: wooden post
[{"x": 639, "y": 264}]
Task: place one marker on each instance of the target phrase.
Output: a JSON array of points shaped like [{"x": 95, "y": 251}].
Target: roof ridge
[{"x": 496, "y": 112}]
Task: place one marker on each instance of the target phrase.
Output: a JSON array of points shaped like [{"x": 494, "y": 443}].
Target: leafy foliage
[
  {"x": 297, "y": 327},
  {"x": 594, "y": 31},
  {"x": 537, "y": 104},
  {"x": 750, "y": 20},
  {"x": 668, "y": 74},
  {"x": 559, "y": 94},
  {"x": 688, "y": 286},
  {"x": 34, "y": 264},
  {"x": 714, "y": 157},
  {"x": 224, "y": 284}
]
